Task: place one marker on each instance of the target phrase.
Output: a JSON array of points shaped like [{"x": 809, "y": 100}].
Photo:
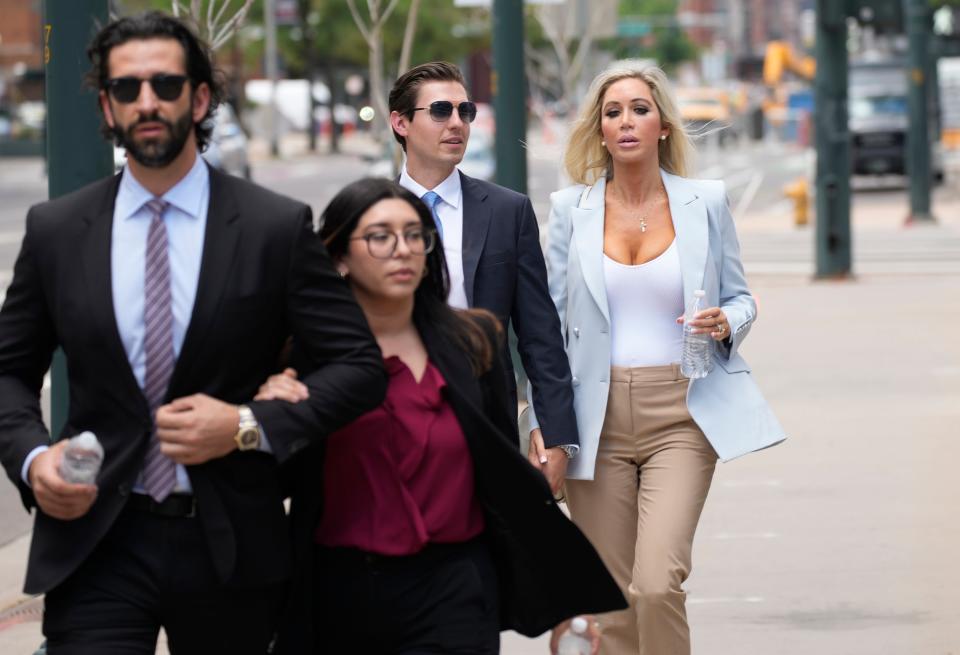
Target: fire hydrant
[{"x": 797, "y": 192}]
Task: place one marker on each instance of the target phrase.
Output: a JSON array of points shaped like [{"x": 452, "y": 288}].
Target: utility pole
[
  {"x": 833, "y": 245},
  {"x": 76, "y": 153},
  {"x": 510, "y": 93},
  {"x": 918, "y": 135},
  {"x": 270, "y": 26}
]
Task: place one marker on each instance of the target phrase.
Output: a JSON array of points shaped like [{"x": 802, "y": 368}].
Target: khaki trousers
[{"x": 653, "y": 472}]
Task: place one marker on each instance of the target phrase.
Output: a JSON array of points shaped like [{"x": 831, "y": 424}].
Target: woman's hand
[
  {"x": 552, "y": 462},
  {"x": 593, "y": 634},
  {"x": 711, "y": 320},
  {"x": 283, "y": 386}
]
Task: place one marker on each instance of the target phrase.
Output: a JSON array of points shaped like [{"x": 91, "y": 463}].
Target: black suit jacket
[
  {"x": 264, "y": 276},
  {"x": 547, "y": 570},
  {"x": 504, "y": 272}
]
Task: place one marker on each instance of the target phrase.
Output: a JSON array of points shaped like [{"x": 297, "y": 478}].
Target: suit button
[
  {"x": 576, "y": 332},
  {"x": 575, "y": 381},
  {"x": 124, "y": 490}
]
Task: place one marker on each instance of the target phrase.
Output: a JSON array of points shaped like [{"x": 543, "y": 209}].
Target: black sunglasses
[
  {"x": 441, "y": 110},
  {"x": 165, "y": 87}
]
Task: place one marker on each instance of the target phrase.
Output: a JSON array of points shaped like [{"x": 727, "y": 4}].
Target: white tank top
[{"x": 644, "y": 302}]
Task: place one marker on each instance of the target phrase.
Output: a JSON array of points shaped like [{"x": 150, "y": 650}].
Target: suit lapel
[
  {"x": 587, "y": 219},
  {"x": 476, "y": 222},
  {"x": 689, "y": 216},
  {"x": 95, "y": 246},
  {"x": 219, "y": 244}
]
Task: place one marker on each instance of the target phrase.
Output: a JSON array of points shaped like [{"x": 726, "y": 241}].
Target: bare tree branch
[
  {"x": 389, "y": 10},
  {"x": 210, "y": 28},
  {"x": 408, "y": 35},
  {"x": 560, "y": 27},
  {"x": 358, "y": 19}
]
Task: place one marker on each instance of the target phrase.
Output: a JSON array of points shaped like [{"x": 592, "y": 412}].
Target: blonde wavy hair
[{"x": 587, "y": 159}]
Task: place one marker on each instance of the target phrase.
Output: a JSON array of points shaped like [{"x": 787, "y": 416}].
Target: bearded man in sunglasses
[
  {"x": 172, "y": 289},
  {"x": 492, "y": 245}
]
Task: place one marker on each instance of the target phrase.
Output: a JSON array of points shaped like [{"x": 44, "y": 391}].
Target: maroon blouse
[{"x": 400, "y": 476}]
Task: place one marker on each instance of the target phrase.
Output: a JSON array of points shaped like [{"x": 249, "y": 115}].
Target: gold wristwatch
[{"x": 248, "y": 436}]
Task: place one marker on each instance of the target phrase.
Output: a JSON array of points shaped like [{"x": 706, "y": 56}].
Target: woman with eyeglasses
[
  {"x": 419, "y": 528},
  {"x": 629, "y": 244}
]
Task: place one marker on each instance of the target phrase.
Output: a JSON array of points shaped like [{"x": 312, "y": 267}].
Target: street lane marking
[{"x": 748, "y": 194}]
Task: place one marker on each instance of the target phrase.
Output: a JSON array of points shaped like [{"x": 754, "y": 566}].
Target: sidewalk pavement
[{"x": 844, "y": 539}]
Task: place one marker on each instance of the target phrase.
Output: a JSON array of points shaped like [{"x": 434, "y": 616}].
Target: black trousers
[
  {"x": 152, "y": 571},
  {"x": 443, "y": 600}
]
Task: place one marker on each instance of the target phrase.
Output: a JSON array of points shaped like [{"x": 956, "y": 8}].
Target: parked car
[{"x": 226, "y": 151}]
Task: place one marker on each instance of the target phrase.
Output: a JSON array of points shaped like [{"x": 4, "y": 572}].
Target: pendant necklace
[{"x": 642, "y": 214}]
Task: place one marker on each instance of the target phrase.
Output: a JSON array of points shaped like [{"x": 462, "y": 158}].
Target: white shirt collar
[
  {"x": 449, "y": 190},
  {"x": 186, "y": 195}
]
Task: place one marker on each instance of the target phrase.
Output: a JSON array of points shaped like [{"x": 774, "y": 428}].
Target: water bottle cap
[
  {"x": 699, "y": 293},
  {"x": 578, "y": 625},
  {"x": 87, "y": 441}
]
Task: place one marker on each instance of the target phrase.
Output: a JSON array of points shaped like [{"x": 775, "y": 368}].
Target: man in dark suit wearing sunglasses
[
  {"x": 492, "y": 245},
  {"x": 172, "y": 289}
]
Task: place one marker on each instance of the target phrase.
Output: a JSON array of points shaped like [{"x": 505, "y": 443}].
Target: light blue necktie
[{"x": 431, "y": 199}]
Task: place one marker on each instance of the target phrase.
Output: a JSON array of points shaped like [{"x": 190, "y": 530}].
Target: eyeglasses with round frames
[
  {"x": 442, "y": 110},
  {"x": 382, "y": 244},
  {"x": 127, "y": 89}
]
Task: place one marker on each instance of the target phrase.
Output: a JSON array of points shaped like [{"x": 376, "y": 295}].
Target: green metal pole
[
  {"x": 833, "y": 246},
  {"x": 510, "y": 93},
  {"x": 918, "y": 134},
  {"x": 76, "y": 153}
]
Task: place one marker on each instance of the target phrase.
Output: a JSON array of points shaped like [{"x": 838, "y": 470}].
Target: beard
[{"x": 155, "y": 152}]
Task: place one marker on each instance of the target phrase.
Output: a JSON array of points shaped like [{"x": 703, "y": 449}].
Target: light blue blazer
[{"x": 727, "y": 405}]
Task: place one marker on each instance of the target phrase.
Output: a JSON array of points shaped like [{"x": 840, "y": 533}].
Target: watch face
[{"x": 248, "y": 438}]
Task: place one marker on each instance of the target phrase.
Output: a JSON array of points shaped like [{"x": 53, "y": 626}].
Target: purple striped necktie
[{"x": 159, "y": 471}]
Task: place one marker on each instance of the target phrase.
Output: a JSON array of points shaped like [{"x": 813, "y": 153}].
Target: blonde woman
[{"x": 628, "y": 245}]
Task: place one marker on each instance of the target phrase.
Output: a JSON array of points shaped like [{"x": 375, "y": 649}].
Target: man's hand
[
  {"x": 593, "y": 634},
  {"x": 55, "y": 496},
  {"x": 196, "y": 429},
  {"x": 552, "y": 462}
]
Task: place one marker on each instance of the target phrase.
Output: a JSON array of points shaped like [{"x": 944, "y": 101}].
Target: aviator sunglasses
[
  {"x": 165, "y": 87},
  {"x": 441, "y": 110}
]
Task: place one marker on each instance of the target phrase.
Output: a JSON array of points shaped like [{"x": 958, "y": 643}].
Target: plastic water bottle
[
  {"x": 82, "y": 459},
  {"x": 696, "y": 360},
  {"x": 575, "y": 640}
]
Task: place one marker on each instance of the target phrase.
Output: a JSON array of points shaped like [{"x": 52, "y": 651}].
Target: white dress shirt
[{"x": 450, "y": 212}]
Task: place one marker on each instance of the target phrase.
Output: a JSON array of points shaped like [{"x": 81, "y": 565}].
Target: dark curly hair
[
  {"x": 158, "y": 25},
  {"x": 463, "y": 328}
]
